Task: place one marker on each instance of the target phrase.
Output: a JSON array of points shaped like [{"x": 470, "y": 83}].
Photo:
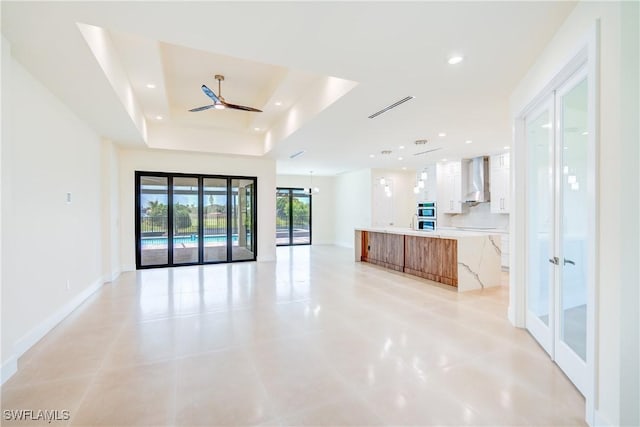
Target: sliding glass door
[
  {"x": 185, "y": 219},
  {"x": 293, "y": 217}
]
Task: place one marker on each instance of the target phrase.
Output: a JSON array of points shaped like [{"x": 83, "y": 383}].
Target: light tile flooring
[{"x": 314, "y": 339}]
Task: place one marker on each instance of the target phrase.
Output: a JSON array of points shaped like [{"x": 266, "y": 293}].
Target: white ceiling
[{"x": 329, "y": 64}]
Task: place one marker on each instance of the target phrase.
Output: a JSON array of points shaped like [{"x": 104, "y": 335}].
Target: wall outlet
[{"x": 68, "y": 198}]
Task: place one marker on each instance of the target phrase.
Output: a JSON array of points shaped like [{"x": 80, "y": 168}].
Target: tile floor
[{"x": 314, "y": 339}]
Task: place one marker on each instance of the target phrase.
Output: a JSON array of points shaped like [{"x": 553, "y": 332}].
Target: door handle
[
  {"x": 568, "y": 261},
  {"x": 555, "y": 260}
]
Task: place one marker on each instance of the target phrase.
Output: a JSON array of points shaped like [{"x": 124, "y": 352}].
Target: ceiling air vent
[
  {"x": 389, "y": 107},
  {"x": 294, "y": 155},
  {"x": 385, "y": 152},
  {"x": 421, "y": 141}
]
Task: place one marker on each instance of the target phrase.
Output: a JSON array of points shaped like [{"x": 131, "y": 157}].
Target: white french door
[{"x": 560, "y": 232}]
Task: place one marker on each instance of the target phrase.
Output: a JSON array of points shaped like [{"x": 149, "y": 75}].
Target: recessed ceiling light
[
  {"x": 158, "y": 117},
  {"x": 455, "y": 59},
  {"x": 278, "y": 103},
  {"x": 151, "y": 86},
  {"x": 401, "y": 147},
  {"x": 506, "y": 147},
  {"x": 444, "y": 160},
  {"x": 404, "y": 168},
  {"x": 442, "y": 134},
  {"x": 256, "y": 129},
  {"x": 372, "y": 155},
  {"x": 468, "y": 141},
  {"x": 399, "y": 158}
]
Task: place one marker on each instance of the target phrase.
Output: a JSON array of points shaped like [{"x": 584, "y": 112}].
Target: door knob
[
  {"x": 555, "y": 260},
  {"x": 568, "y": 261}
]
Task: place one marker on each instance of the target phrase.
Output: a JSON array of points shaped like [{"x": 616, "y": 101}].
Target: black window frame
[
  {"x": 229, "y": 231},
  {"x": 290, "y": 191}
]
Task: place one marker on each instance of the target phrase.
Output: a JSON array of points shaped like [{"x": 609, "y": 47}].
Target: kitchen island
[{"x": 466, "y": 260}]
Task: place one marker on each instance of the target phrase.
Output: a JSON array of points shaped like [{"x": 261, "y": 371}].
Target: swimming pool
[{"x": 190, "y": 240}]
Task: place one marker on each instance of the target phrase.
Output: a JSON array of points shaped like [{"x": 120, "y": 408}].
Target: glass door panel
[
  {"x": 242, "y": 219},
  {"x": 574, "y": 214},
  {"x": 283, "y": 218},
  {"x": 153, "y": 221},
  {"x": 300, "y": 217},
  {"x": 186, "y": 236},
  {"x": 214, "y": 202},
  {"x": 540, "y": 272}
]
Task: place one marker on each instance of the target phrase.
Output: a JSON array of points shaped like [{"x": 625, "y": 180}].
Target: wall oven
[
  {"x": 427, "y": 210},
  {"x": 427, "y": 224}
]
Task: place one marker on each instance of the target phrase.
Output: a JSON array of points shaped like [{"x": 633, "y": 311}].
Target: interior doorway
[{"x": 561, "y": 209}]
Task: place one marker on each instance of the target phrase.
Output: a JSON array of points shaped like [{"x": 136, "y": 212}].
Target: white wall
[
  {"x": 46, "y": 242},
  {"x": 352, "y": 205},
  {"x": 398, "y": 209},
  {"x": 110, "y": 212},
  {"x": 322, "y": 205},
  {"x": 131, "y": 160},
  {"x": 613, "y": 281}
]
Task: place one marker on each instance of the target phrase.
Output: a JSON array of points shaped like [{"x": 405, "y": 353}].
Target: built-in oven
[
  {"x": 427, "y": 210},
  {"x": 427, "y": 224}
]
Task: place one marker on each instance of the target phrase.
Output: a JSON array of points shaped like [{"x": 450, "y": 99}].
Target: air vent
[
  {"x": 421, "y": 141},
  {"x": 385, "y": 152},
  {"x": 389, "y": 107},
  {"x": 294, "y": 155},
  {"x": 428, "y": 151}
]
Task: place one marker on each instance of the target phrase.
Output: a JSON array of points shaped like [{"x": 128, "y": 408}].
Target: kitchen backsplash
[{"x": 475, "y": 216}]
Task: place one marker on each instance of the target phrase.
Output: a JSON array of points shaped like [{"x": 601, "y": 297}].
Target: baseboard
[
  {"x": 601, "y": 420},
  {"x": 110, "y": 277},
  {"x": 128, "y": 267},
  {"x": 38, "y": 332},
  {"x": 9, "y": 368},
  {"x": 344, "y": 245}
]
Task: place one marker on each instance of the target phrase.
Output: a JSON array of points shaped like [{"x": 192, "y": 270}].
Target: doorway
[
  {"x": 186, "y": 219},
  {"x": 560, "y": 227},
  {"x": 293, "y": 217}
]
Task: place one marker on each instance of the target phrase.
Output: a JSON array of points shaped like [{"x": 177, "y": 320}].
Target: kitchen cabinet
[
  {"x": 500, "y": 183},
  {"x": 450, "y": 180}
]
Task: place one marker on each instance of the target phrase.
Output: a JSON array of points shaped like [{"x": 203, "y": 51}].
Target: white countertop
[{"x": 444, "y": 233}]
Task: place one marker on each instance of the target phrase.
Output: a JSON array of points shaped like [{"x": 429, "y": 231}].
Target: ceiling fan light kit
[{"x": 218, "y": 101}]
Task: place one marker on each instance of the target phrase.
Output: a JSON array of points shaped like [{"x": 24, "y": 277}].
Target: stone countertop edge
[{"x": 442, "y": 234}]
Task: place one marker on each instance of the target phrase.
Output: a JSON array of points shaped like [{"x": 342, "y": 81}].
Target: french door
[
  {"x": 184, "y": 219},
  {"x": 293, "y": 217},
  {"x": 560, "y": 218}
]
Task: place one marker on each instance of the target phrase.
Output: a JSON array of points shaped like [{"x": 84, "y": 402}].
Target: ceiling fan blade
[
  {"x": 206, "y": 107},
  {"x": 210, "y": 94},
  {"x": 241, "y": 107},
  {"x": 428, "y": 151}
]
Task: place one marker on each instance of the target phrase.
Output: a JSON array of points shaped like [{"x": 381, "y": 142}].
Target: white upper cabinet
[
  {"x": 450, "y": 181},
  {"x": 499, "y": 181}
]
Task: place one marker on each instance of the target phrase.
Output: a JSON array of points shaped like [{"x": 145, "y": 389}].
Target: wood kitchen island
[{"x": 465, "y": 260}]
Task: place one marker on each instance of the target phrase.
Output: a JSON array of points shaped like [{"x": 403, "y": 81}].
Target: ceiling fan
[{"x": 218, "y": 101}]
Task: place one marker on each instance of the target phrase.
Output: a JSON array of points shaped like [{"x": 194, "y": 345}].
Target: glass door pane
[
  {"x": 283, "y": 218},
  {"x": 300, "y": 217},
  {"x": 574, "y": 215},
  {"x": 541, "y": 219},
  {"x": 214, "y": 202},
  {"x": 242, "y": 219},
  {"x": 153, "y": 217},
  {"x": 186, "y": 237}
]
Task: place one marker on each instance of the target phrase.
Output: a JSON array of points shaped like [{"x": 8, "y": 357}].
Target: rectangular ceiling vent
[
  {"x": 299, "y": 153},
  {"x": 389, "y": 107}
]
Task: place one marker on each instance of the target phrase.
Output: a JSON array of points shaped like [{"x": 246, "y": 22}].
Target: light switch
[{"x": 69, "y": 198}]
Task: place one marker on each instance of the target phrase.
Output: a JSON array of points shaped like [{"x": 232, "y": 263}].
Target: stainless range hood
[{"x": 478, "y": 180}]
